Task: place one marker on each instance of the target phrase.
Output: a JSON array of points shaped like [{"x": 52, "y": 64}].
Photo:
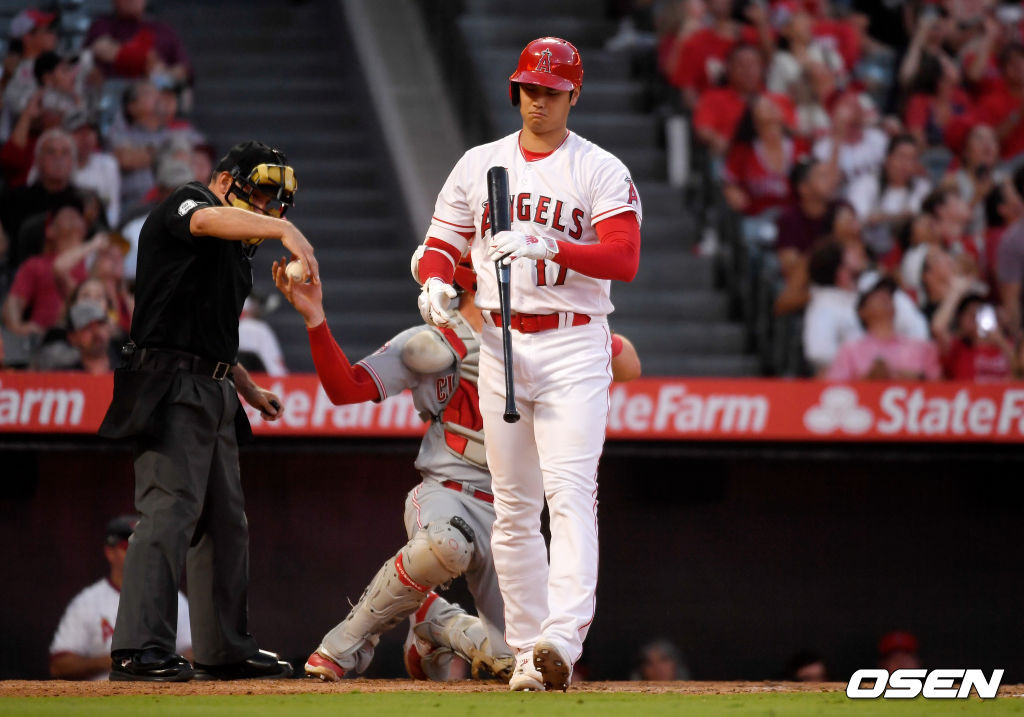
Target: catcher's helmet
[{"x": 549, "y": 62}]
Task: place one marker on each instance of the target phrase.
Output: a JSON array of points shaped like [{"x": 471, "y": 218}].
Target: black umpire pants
[{"x": 188, "y": 493}]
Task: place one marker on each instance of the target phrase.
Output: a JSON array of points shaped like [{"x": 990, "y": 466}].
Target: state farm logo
[
  {"x": 838, "y": 409},
  {"x": 41, "y": 407}
]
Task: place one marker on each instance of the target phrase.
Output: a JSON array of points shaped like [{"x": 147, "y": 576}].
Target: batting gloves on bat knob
[
  {"x": 510, "y": 245},
  {"x": 435, "y": 296}
]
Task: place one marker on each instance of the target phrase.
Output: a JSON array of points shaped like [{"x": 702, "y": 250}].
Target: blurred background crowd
[
  {"x": 94, "y": 132},
  {"x": 854, "y": 167},
  {"x": 859, "y": 167}
]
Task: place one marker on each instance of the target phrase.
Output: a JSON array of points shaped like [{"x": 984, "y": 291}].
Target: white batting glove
[
  {"x": 434, "y": 299},
  {"x": 510, "y": 245}
]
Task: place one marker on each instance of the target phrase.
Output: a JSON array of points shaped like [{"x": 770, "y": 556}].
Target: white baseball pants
[{"x": 561, "y": 382}]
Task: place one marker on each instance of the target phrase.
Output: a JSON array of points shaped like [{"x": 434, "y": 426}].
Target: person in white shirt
[
  {"x": 831, "y": 317},
  {"x": 81, "y": 646},
  {"x": 797, "y": 50},
  {"x": 854, "y": 147},
  {"x": 888, "y": 198},
  {"x": 96, "y": 169}
]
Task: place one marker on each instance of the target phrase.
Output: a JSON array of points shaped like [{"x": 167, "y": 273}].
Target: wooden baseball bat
[{"x": 501, "y": 220}]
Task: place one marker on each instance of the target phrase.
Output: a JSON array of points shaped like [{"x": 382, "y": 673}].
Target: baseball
[{"x": 295, "y": 271}]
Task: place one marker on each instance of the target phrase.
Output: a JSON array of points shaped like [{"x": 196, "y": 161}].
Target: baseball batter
[{"x": 575, "y": 227}]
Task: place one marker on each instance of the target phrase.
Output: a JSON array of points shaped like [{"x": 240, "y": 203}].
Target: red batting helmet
[{"x": 549, "y": 62}]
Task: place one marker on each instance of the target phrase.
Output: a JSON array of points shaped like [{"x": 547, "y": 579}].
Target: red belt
[
  {"x": 478, "y": 494},
  {"x": 532, "y": 323}
]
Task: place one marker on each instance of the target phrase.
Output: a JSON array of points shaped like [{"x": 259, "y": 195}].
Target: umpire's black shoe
[
  {"x": 261, "y": 666},
  {"x": 150, "y": 665}
]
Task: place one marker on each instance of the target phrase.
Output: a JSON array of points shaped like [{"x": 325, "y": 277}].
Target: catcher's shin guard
[{"x": 436, "y": 554}]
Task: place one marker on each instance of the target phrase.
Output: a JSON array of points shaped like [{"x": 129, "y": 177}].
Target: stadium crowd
[
  {"x": 858, "y": 164},
  {"x": 864, "y": 160},
  {"x": 94, "y": 133}
]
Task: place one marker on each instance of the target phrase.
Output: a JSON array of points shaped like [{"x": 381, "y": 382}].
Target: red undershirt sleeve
[
  {"x": 343, "y": 382},
  {"x": 617, "y": 256}
]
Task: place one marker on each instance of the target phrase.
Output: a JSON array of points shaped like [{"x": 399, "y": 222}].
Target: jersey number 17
[{"x": 542, "y": 274}]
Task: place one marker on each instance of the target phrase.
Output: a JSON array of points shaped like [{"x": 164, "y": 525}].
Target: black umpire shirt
[{"x": 189, "y": 289}]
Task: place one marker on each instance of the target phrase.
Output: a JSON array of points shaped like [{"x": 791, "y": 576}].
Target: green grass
[{"x": 414, "y": 704}]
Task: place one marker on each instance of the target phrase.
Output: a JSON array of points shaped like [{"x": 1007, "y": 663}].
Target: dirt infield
[{"x": 58, "y": 688}]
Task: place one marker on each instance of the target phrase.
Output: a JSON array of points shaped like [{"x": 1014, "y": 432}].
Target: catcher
[{"x": 448, "y": 516}]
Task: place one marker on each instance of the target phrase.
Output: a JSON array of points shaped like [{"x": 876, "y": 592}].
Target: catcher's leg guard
[
  {"x": 439, "y": 628},
  {"x": 436, "y": 554}
]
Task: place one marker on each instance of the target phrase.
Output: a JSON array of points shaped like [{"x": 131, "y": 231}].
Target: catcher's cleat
[
  {"x": 526, "y": 678},
  {"x": 414, "y": 662},
  {"x": 319, "y": 665},
  {"x": 552, "y": 664},
  {"x": 425, "y": 660}
]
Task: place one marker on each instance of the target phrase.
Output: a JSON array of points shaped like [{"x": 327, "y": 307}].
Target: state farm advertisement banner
[{"x": 647, "y": 409}]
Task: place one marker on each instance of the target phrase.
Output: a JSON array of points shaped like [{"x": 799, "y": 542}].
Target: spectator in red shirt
[
  {"x": 973, "y": 344},
  {"x": 1003, "y": 107},
  {"x": 675, "y": 22},
  {"x": 700, "y": 62},
  {"x": 759, "y": 161},
  {"x": 979, "y": 57},
  {"x": 719, "y": 110},
  {"x": 36, "y": 299},
  {"x": 937, "y": 100},
  {"x": 129, "y": 44}
]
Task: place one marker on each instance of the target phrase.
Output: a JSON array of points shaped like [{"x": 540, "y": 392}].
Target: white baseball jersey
[
  {"x": 453, "y": 447},
  {"x": 561, "y": 196},
  {"x": 88, "y": 623}
]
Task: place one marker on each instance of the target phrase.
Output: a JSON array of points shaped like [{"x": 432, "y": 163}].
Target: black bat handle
[{"x": 501, "y": 220}]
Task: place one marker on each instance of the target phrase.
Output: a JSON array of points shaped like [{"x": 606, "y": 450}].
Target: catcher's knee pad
[
  {"x": 439, "y": 551},
  {"x": 436, "y": 554}
]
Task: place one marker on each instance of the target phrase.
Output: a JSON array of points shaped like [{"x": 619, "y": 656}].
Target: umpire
[{"x": 177, "y": 395}]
